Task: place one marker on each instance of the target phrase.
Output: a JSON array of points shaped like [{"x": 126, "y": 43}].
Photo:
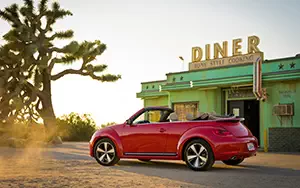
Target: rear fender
[
  {"x": 113, "y": 136},
  {"x": 194, "y": 133}
]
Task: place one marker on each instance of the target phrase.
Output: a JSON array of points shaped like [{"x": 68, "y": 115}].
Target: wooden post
[{"x": 265, "y": 140}]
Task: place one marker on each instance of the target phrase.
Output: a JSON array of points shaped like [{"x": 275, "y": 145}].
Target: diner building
[{"x": 264, "y": 92}]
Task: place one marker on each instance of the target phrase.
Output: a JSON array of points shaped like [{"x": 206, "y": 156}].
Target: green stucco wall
[
  {"x": 157, "y": 101},
  {"x": 280, "y": 92},
  {"x": 208, "y": 100}
]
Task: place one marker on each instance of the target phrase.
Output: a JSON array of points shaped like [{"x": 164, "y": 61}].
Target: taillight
[{"x": 222, "y": 132}]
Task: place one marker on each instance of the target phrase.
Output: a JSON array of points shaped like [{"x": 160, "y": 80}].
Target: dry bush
[
  {"x": 23, "y": 134},
  {"x": 76, "y": 127}
]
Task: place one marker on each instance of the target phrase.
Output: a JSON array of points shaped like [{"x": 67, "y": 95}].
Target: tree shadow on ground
[
  {"x": 73, "y": 145},
  {"x": 67, "y": 155}
]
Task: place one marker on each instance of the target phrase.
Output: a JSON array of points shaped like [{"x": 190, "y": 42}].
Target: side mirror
[{"x": 128, "y": 122}]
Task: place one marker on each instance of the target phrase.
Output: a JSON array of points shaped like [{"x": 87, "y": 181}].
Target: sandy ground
[{"x": 69, "y": 165}]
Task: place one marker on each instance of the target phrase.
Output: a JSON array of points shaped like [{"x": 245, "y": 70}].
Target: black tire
[
  {"x": 112, "y": 158},
  {"x": 206, "y": 153},
  {"x": 145, "y": 160},
  {"x": 233, "y": 162}
]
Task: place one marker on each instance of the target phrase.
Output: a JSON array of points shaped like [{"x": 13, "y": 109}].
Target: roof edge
[{"x": 155, "y": 81}]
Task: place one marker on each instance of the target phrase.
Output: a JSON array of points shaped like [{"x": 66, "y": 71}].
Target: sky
[{"x": 145, "y": 38}]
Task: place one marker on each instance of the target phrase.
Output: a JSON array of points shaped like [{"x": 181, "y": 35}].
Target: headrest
[
  {"x": 173, "y": 117},
  {"x": 213, "y": 113},
  {"x": 189, "y": 117}
]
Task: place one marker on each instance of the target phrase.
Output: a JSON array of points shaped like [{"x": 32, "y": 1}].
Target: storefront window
[{"x": 182, "y": 109}]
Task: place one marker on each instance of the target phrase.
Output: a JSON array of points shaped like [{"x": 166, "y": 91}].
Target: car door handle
[{"x": 162, "y": 130}]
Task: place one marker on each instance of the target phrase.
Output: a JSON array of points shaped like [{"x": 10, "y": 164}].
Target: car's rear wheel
[
  {"x": 198, "y": 155},
  {"x": 105, "y": 152},
  {"x": 233, "y": 162}
]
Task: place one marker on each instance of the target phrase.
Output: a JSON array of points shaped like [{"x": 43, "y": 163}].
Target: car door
[
  {"x": 174, "y": 130},
  {"x": 144, "y": 137}
]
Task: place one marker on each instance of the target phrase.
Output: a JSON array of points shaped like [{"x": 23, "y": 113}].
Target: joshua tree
[{"x": 29, "y": 54}]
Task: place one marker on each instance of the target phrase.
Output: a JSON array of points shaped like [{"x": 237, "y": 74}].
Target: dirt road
[{"x": 69, "y": 165}]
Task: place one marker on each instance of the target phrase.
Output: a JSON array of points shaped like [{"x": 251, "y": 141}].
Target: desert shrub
[
  {"x": 76, "y": 127},
  {"x": 22, "y": 130},
  {"x": 20, "y": 134},
  {"x": 18, "y": 130},
  {"x": 108, "y": 124}
]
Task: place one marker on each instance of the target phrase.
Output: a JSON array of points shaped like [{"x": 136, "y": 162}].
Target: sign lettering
[
  {"x": 220, "y": 54},
  {"x": 229, "y": 61},
  {"x": 197, "y": 52}
]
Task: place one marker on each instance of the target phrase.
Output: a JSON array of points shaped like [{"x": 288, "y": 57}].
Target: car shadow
[
  {"x": 221, "y": 175},
  {"x": 152, "y": 164},
  {"x": 218, "y": 167}
]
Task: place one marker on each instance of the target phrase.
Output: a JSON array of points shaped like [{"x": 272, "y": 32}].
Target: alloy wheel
[
  {"x": 197, "y": 155},
  {"x": 105, "y": 152}
]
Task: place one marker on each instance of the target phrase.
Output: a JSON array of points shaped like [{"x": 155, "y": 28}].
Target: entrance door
[
  {"x": 251, "y": 108},
  {"x": 236, "y": 108},
  {"x": 248, "y": 109}
]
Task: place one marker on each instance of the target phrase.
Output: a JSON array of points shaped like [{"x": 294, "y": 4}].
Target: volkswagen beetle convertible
[{"x": 155, "y": 133}]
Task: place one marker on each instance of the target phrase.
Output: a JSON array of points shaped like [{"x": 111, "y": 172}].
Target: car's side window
[
  {"x": 141, "y": 119},
  {"x": 155, "y": 115},
  {"x": 152, "y": 116}
]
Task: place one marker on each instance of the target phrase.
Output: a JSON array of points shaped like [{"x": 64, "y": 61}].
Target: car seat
[
  {"x": 173, "y": 117},
  {"x": 189, "y": 117},
  {"x": 201, "y": 116}
]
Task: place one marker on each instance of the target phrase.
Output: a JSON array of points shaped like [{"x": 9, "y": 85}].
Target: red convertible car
[{"x": 156, "y": 133}]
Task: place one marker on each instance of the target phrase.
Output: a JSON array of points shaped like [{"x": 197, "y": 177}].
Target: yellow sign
[
  {"x": 229, "y": 61},
  {"x": 222, "y": 52}
]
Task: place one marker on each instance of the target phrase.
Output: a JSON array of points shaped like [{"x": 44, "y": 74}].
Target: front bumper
[
  {"x": 92, "y": 143},
  {"x": 91, "y": 149}
]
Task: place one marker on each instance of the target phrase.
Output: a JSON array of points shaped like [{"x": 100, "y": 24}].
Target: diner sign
[
  {"x": 229, "y": 61},
  {"x": 221, "y": 57}
]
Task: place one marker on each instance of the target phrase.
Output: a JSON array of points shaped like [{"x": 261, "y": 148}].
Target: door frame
[
  {"x": 225, "y": 92},
  {"x": 259, "y": 112}
]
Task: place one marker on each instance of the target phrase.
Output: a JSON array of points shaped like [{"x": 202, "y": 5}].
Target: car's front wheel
[
  {"x": 105, "y": 152},
  {"x": 233, "y": 162},
  {"x": 198, "y": 155}
]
